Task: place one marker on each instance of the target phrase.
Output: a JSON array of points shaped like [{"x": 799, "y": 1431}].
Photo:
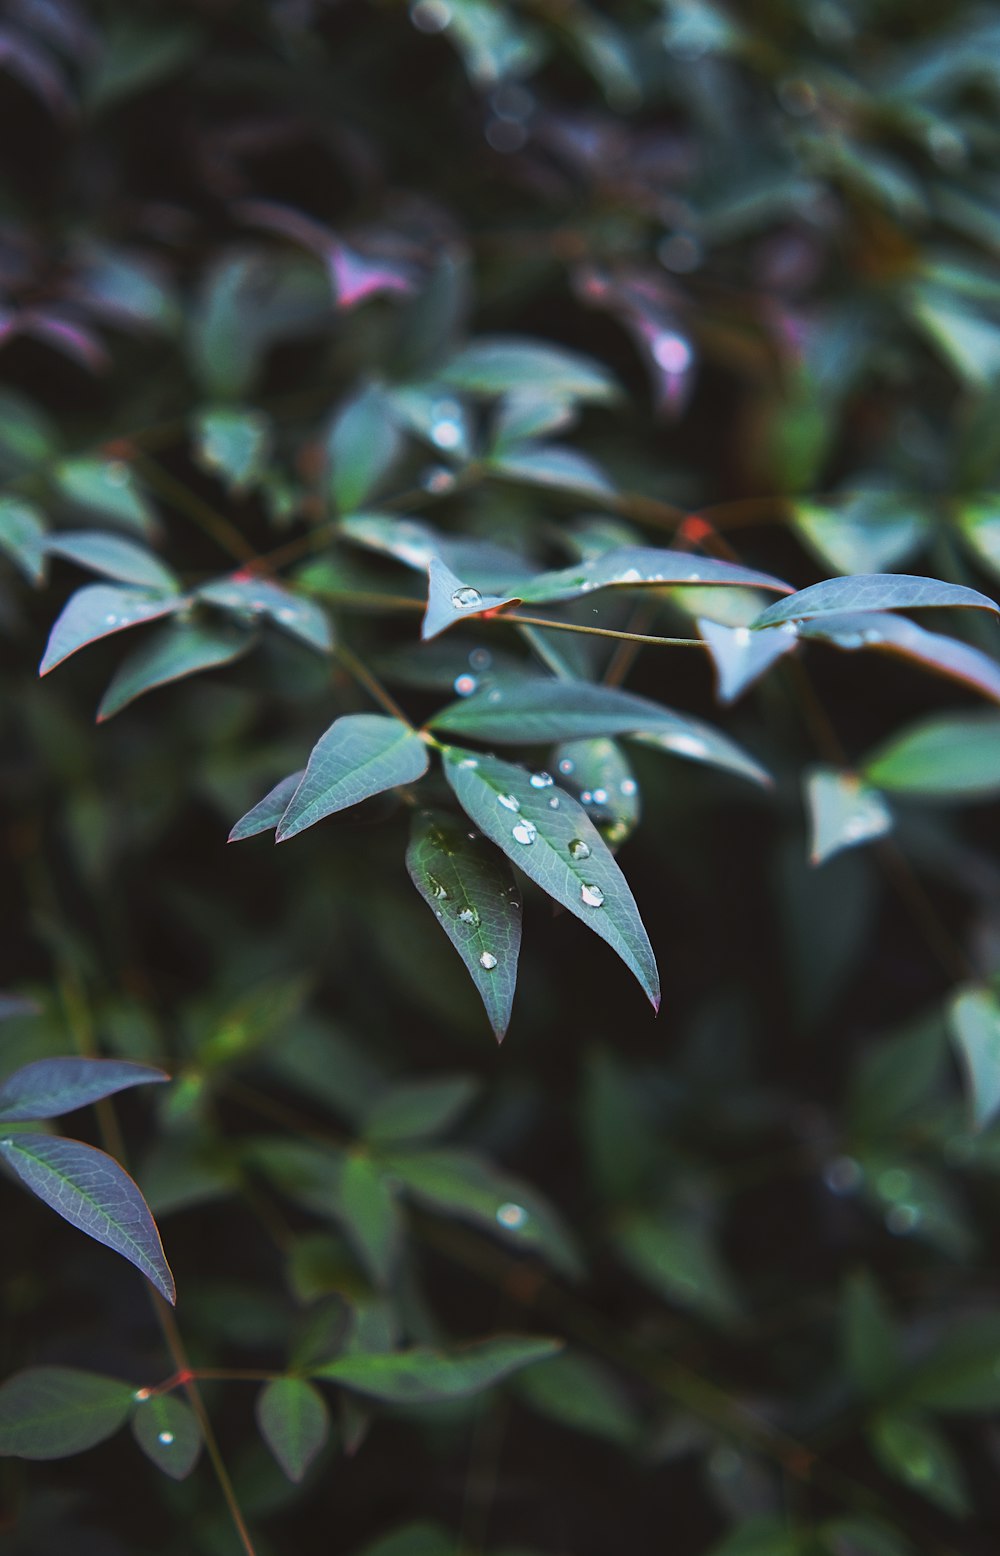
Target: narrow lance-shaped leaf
[
  {"x": 417, "y": 1109},
  {"x": 360, "y": 755},
  {"x": 98, "y": 610},
  {"x": 900, "y": 636},
  {"x": 361, "y": 447},
  {"x": 843, "y": 812},
  {"x": 952, "y": 757},
  {"x": 114, "y": 557},
  {"x": 106, "y": 487},
  {"x": 741, "y": 657},
  {"x": 486, "y": 565},
  {"x": 473, "y": 895},
  {"x": 52, "y": 1412},
  {"x": 421, "y": 1376},
  {"x": 365, "y": 1206},
  {"x": 22, "y": 537},
  {"x": 249, "y": 597},
  {"x": 266, "y": 814},
  {"x": 90, "y": 1191},
  {"x": 501, "y": 364},
  {"x": 916, "y": 1453},
  {"x": 168, "y": 1433},
  {"x": 553, "y": 465},
  {"x": 294, "y": 1422},
  {"x": 639, "y": 567},
  {"x": 170, "y": 654},
  {"x": 450, "y": 600},
  {"x": 974, "y": 1019},
  {"x": 552, "y": 839},
  {"x": 872, "y": 592},
  {"x": 47, "y": 1087}
]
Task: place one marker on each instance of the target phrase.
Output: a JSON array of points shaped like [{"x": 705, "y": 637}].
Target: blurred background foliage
[{"x": 243, "y": 247}]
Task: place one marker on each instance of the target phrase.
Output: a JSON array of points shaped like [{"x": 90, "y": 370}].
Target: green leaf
[
  {"x": 872, "y": 592},
  {"x": 580, "y": 1393},
  {"x": 90, "y": 1191},
  {"x": 974, "y": 1022},
  {"x": 968, "y": 341},
  {"x": 250, "y": 598},
  {"x": 250, "y": 300},
  {"x": 114, "y": 557},
  {"x": 434, "y": 415},
  {"x": 494, "y": 365},
  {"x": 22, "y": 537},
  {"x": 168, "y": 1433},
  {"x": 866, "y": 532},
  {"x": 266, "y": 814},
  {"x": 52, "y": 1412},
  {"x": 863, "y": 1537},
  {"x": 843, "y": 812},
  {"x": 98, "y": 610},
  {"x": 598, "y": 775},
  {"x": 527, "y": 413},
  {"x": 955, "y": 756},
  {"x": 898, "y": 635},
  {"x": 294, "y": 1422},
  {"x": 450, "y": 600},
  {"x": 475, "y": 898},
  {"x": 421, "y": 1376},
  {"x": 487, "y": 565},
  {"x": 360, "y": 755},
  {"x": 740, "y": 657},
  {"x": 361, "y": 448},
  {"x": 675, "y": 1255},
  {"x": 558, "y": 846},
  {"x": 419, "y": 1109},
  {"x": 635, "y": 567},
  {"x": 233, "y": 445},
  {"x": 553, "y": 465},
  {"x": 365, "y": 1207},
  {"x": 962, "y": 1373},
  {"x": 48, "y": 1087},
  {"x": 870, "y": 1342},
  {"x": 979, "y": 523},
  {"x": 134, "y": 53},
  {"x": 915, "y": 1453},
  {"x": 106, "y": 487},
  {"x": 27, "y": 437},
  {"x": 762, "y": 1536},
  {"x": 416, "y": 1539},
  {"x": 170, "y": 654}
]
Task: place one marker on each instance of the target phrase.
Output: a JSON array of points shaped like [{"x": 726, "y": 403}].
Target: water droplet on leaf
[
  {"x": 488, "y": 961},
  {"x": 465, "y": 685},
  {"x": 466, "y": 598},
  {"x": 509, "y": 801},
  {"x": 593, "y": 896},
  {"x": 578, "y": 849},
  {"x": 525, "y": 832},
  {"x": 540, "y": 780}
]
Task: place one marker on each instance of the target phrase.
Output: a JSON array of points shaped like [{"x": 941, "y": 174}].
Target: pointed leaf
[
  {"x": 233, "y": 445},
  {"x": 866, "y": 532},
  {"x": 969, "y": 341},
  {"x": 108, "y": 488},
  {"x": 675, "y": 1254},
  {"x": 558, "y": 846},
  {"x": 22, "y": 537},
  {"x": 740, "y": 656},
  {"x": 418, "y": 1109},
  {"x": 635, "y": 567},
  {"x": 843, "y": 812},
  {"x": 361, "y": 447},
  {"x": 421, "y": 1376},
  {"x": 527, "y": 413},
  {"x": 475, "y": 899},
  {"x": 168, "y": 655},
  {"x": 487, "y": 565},
  {"x": 168, "y": 1433},
  {"x": 597, "y": 774},
  {"x": 266, "y": 814},
  {"x": 872, "y": 592},
  {"x": 974, "y": 1020},
  {"x": 980, "y": 526},
  {"x": 962, "y": 1374},
  {"x": 450, "y": 600},
  {"x": 580, "y": 1393},
  {"x": 52, "y": 1412},
  {"x": 553, "y": 465},
  {"x": 294, "y": 1422},
  {"x": 955, "y": 757},
  {"x": 248, "y": 597},
  {"x": 917, "y": 1454},
  {"x": 48, "y": 1087},
  {"x": 360, "y": 755},
  {"x": 98, "y": 610},
  {"x": 898, "y": 635},
  {"x": 870, "y": 1342},
  {"x": 501, "y": 364},
  {"x": 114, "y": 557},
  {"x": 90, "y": 1191},
  {"x": 434, "y": 415},
  {"x": 365, "y": 1207}
]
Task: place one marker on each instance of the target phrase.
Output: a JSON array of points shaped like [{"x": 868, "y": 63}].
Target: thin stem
[
  {"x": 598, "y": 632},
  {"x": 371, "y": 683},
  {"x": 184, "y": 500}
]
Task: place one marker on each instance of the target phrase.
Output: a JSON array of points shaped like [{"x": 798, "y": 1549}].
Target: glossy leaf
[
  {"x": 597, "y": 774},
  {"x": 108, "y": 488},
  {"x": 98, "y": 610},
  {"x": 266, "y": 814},
  {"x": 475, "y": 898},
  {"x": 361, "y": 448},
  {"x": 90, "y": 1191},
  {"x": 113, "y": 557},
  {"x": 741, "y": 657},
  {"x": 635, "y": 567},
  {"x": 365, "y": 1207},
  {"x": 918, "y": 1455},
  {"x": 553, "y": 465},
  {"x": 487, "y": 565},
  {"x": 974, "y": 1020},
  {"x": 872, "y": 592},
  {"x": 48, "y": 1087},
  {"x": 527, "y": 413},
  {"x": 360, "y": 755},
  {"x": 294, "y": 1422},
  {"x": 419, "y": 1109},
  {"x": 494, "y": 365},
  {"x": 249, "y": 597},
  {"x": 52, "y": 1412},
  {"x": 421, "y": 1376},
  {"x": 843, "y": 812},
  {"x": 898, "y": 635},
  {"x": 954, "y": 756},
  {"x": 233, "y": 445},
  {"x": 450, "y": 600},
  {"x": 170, "y": 654},
  {"x": 167, "y": 1431},
  {"x": 22, "y": 537},
  {"x": 866, "y": 532},
  {"x": 559, "y": 847}
]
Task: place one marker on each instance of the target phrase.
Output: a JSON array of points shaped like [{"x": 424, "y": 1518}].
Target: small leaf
[
  {"x": 872, "y": 592},
  {"x": 559, "y": 847},
  {"x": 962, "y": 1374},
  {"x": 365, "y": 1207},
  {"x": 250, "y": 597},
  {"x": 580, "y": 1393},
  {"x": 450, "y": 600},
  {"x": 979, "y": 523},
  {"x": 898, "y": 635},
  {"x": 974, "y": 1021},
  {"x": 294, "y": 1422},
  {"x": 233, "y": 445},
  {"x": 955, "y": 756},
  {"x": 843, "y": 811},
  {"x": 434, "y": 415},
  {"x": 865, "y": 532},
  {"x": 473, "y": 895},
  {"x": 48, "y": 1087},
  {"x": 494, "y": 365},
  {"x": 487, "y": 565},
  {"x": 361, "y": 448},
  {"x": 597, "y": 774},
  {"x": 360, "y": 755},
  {"x": 870, "y": 1342},
  {"x": 98, "y": 610},
  {"x": 266, "y": 814},
  {"x": 168, "y": 655},
  {"x": 419, "y": 1109},
  {"x": 106, "y": 487},
  {"x": 740, "y": 656},
  {"x": 168, "y": 1433},
  {"x": 421, "y": 1376},
  {"x": 90, "y": 1191},
  {"x": 968, "y": 341},
  {"x": 675, "y": 1255},
  {"x": 114, "y": 557},
  {"x": 916, "y": 1453},
  {"x": 638, "y": 567},
  {"x": 527, "y": 413},
  {"x": 52, "y": 1412},
  {"x": 22, "y": 537},
  {"x": 553, "y": 465}
]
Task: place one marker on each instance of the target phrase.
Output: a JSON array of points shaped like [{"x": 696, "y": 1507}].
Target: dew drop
[
  {"x": 488, "y": 961},
  {"x": 592, "y": 896},
  {"x": 509, "y": 801},
  {"x": 495, "y": 696},
  {"x": 629, "y": 787},
  {"x": 843, "y": 1175},
  {"x": 480, "y": 659},
  {"x": 567, "y": 765},
  {"x": 554, "y": 802},
  {"x": 512, "y": 1216},
  {"x": 166, "y": 1438},
  {"x": 672, "y": 353},
  {"x": 578, "y": 849},
  {"x": 465, "y": 685},
  {"x": 685, "y": 745},
  {"x": 600, "y": 796},
  {"x": 469, "y": 761},
  {"x": 586, "y": 798},
  {"x": 470, "y": 916},
  {"x": 525, "y": 832},
  {"x": 466, "y": 598},
  {"x": 540, "y": 780},
  {"x": 446, "y": 434},
  {"x": 110, "y": 621},
  {"x": 430, "y": 15},
  {"x": 436, "y": 889}
]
